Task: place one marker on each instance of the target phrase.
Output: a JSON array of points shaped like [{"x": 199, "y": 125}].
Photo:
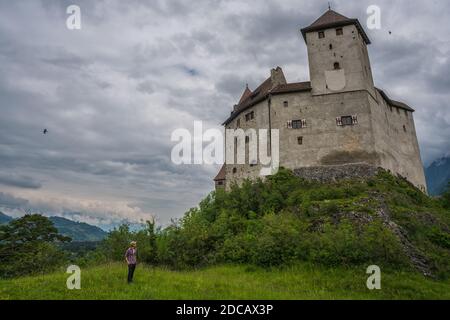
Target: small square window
[
  {"x": 347, "y": 120},
  {"x": 250, "y": 116},
  {"x": 339, "y": 32},
  {"x": 220, "y": 183},
  {"x": 285, "y": 104},
  {"x": 234, "y": 170},
  {"x": 300, "y": 140},
  {"x": 321, "y": 34}
]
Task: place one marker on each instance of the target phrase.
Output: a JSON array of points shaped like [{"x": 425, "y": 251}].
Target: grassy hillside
[{"x": 302, "y": 281}]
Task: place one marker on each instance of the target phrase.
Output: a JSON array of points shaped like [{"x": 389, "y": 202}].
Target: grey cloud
[
  {"x": 19, "y": 181},
  {"x": 112, "y": 93},
  {"x": 7, "y": 200}
]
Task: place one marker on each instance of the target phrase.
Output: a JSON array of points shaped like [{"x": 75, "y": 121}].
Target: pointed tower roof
[
  {"x": 221, "y": 175},
  {"x": 328, "y": 17},
  {"x": 247, "y": 93},
  {"x": 332, "y": 19}
]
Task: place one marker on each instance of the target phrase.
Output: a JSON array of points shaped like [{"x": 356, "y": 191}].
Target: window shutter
[
  {"x": 303, "y": 123},
  {"x": 355, "y": 119},
  {"x": 338, "y": 121},
  {"x": 289, "y": 124}
]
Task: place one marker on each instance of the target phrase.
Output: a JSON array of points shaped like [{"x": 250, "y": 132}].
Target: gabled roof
[
  {"x": 221, "y": 174},
  {"x": 394, "y": 103},
  {"x": 263, "y": 91},
  {"x": 247, "y": 93},
  {"x": 332, "y": 19}
]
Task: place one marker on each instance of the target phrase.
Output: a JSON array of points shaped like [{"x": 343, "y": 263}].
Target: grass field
[{"x": 226, "y": 282}]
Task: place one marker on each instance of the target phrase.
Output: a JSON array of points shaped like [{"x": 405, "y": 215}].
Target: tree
[{"x": 27, "y": 245}]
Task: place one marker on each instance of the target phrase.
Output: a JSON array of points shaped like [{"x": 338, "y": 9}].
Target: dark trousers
[{"x": 131, "y": 268}]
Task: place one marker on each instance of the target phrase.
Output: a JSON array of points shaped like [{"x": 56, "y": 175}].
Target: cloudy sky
[{"x": 111, "y": 93}]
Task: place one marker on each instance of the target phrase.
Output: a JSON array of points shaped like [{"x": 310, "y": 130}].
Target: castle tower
[{"x": 337, "y": 54}]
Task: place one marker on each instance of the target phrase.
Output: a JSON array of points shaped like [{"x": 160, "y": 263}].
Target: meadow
[{"x": 302, "y": 281}]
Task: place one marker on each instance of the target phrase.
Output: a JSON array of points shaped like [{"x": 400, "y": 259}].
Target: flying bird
[{"x": 45, "y": 131}]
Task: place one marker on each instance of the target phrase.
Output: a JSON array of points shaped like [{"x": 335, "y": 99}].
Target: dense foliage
[
  {"x": 284, "y": 220},
  {"x": 28, "y": 246}
]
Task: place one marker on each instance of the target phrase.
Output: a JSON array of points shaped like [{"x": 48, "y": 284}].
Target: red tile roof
[
  {"x": 292, "y": 87},
  {"x": 329, "y": 17},
  {"x": 332, "y": 19},
  {"x": 221, "y": 174},
  {"x": 263, "y": 91},
  {"x": 247, "y": 93}
]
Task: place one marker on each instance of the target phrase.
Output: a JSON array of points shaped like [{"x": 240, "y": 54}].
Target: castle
[{"x": 337, "y": 119}]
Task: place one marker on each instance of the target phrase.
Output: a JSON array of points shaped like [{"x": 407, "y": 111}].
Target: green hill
[
  {"x": 383, "y": 220},
  {"x": 78, "y": 231},
  {"x": 302, "y": 281}
]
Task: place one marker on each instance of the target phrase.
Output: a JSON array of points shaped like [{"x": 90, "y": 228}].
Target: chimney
[{"x": 277, "y": 77}]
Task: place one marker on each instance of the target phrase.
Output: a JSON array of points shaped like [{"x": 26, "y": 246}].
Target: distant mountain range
[
  {"x": 438, "y": 175},
  {"x": 4, "y": 218},
  {"x": 78, "y": 231}
]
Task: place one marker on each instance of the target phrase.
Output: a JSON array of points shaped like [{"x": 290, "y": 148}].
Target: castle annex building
[{"x": 339, "y": 118}]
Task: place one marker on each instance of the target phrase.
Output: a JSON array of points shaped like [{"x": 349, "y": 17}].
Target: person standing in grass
[{"x": 130, "y": 258}]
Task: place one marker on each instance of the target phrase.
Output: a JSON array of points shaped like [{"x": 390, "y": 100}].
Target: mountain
[
  {"x": 4, "y": 218},
  {"x": 438, "y": 175},
  {"x": 78, "y": 231}
]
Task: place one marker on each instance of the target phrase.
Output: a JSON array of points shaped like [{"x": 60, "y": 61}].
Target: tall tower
[{"x": 337, "y": 54}]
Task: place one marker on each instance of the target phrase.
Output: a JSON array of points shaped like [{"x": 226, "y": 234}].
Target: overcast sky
[{"x": 111, "y": 93}]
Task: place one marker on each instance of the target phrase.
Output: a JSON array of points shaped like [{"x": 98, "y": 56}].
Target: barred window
[
  {"x": 300, "y": 140},
  {"x": 296, "y": 124},
  {"x": 321, "y": 34},
  {"x": 339, "y": 32},
  {"x": 347, "y": 120}
]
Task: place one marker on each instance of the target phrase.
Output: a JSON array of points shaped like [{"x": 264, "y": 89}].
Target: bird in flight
[{"x": 45, "y": 131}]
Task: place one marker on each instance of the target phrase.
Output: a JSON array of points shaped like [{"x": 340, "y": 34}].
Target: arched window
[{"x": 336, "y": 66}]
